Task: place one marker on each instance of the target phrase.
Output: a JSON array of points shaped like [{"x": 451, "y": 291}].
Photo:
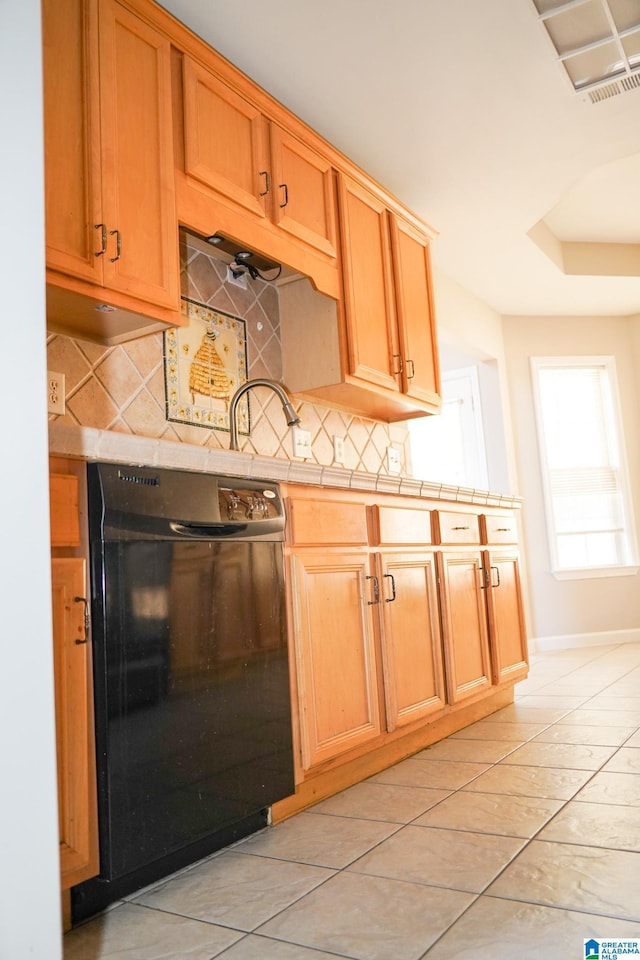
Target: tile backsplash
[{"x": 122, "y": 388}]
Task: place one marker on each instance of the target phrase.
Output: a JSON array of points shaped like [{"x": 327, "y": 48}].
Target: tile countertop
[{"x": 87, "y": 443}]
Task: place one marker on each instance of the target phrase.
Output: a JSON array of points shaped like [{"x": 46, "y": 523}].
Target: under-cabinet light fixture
[{"x": 243, "y": 260}]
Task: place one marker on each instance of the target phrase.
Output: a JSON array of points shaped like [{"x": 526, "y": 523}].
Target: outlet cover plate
[
  {"x": 301, "y": 440},
  {"x": 338, "y": 450},
  {"x": 393, "y": 460},
  {"x": 55, "y": 393}
]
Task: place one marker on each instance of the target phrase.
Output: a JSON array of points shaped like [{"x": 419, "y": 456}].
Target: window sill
[{"x": 591, "y": 573}]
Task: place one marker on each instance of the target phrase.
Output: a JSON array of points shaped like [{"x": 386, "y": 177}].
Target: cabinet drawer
[
  {"x": 327, "y": 523},
  {"x": 498, "y": 528},
  {"x": 454, "y": 527},
  {"x": 64, "y": 510},
  {"x": 401, "y": 525}
]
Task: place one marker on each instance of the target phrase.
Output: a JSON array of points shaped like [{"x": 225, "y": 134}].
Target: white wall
[
  {"x": 29, "y": 879},
  {"x": 564, "y": 612}
]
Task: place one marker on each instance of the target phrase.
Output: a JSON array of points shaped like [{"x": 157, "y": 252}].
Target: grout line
[{"x": 526, "y": 842}]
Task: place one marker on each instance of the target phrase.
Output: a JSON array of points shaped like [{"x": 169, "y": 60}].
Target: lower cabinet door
[
  {"x": 507, "y": 627},
  {"x": 411, "y": 640},
  {"x": 335, "y": 653},
  {"x": 464, "y": 624},
  {"x": 74, "y": 724}
]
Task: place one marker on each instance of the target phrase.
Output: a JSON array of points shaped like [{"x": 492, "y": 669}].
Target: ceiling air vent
[
  {"x": 613, "y": 89},
  {"x": 597, "y": 42}
]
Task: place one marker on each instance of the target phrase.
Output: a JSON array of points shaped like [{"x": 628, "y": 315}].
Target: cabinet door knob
[
  {"x": 284, "y": 187},
  {"x": 497, "y": 583}
]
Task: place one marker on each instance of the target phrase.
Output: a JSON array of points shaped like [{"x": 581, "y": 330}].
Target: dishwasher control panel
[{"x": 242, "y": 504}]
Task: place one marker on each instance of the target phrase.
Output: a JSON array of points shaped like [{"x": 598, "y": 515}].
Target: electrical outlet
[
  {"x": 55, "y": 392},
  {"x": 237, "y": 277},
  {"x": 338, "y": 450},
  {"x": 393, "y": 460},
  {"x": 301, "y": 442}
]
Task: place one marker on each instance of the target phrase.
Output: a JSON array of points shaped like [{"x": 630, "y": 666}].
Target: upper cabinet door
[
  {"x": 137, "y": 157},
  {"x": 72, "y": 138},
  {"x": 303, "y": 192},
  {"x": 368, "y": 292},
  {"x": 225, "y": 140},
  {"x": 414, "y": 303}
]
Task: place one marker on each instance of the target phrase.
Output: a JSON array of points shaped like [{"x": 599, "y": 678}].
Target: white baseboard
[{"x": 571, "y": 641}]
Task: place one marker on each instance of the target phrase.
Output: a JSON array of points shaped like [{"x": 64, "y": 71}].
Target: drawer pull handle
[
  {"x": 102, "y": 227},
  {"x": 265, "y": 174},
  {"x": 459, "y": 528},
  {"x": 497, "y": 583},
  {"x": 376, "y": 592},
  {"x": 503, "y": 529},
  {"x": 284, "y": 187},
  {"x": 411, "y": 375},
  {"x": 391, "y": 577},
  {"x": 85, "y": 638},
  {"x": 116, "y": 233}
]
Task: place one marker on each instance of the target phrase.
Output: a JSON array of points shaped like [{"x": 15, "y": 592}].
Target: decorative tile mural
[
  {"x": 205, "y": 362},
  {"x": 122, "y": 388}
]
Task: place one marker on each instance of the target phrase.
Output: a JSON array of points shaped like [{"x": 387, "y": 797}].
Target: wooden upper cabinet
[
  {"x": 137, "y": 157},
  {"x": 72, "y": 137},
  {"x": 303, "y": 192},
  {"x": 111, "y": 225},
  {"x": 369, "y": 304},
  {"x": 414, "y": 304},
  {"x": 389, "y": 316},
  {"x": 225, "y": 139},
  {"x": 254, "y": 163}
]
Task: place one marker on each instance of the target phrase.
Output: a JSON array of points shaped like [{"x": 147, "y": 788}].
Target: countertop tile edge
[{"x": 91, "y": 443}]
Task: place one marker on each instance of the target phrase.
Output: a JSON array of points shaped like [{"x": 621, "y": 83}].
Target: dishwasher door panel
[{"x": 193, "y": 722}]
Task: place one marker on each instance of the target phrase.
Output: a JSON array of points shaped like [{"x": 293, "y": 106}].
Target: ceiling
[{"x": 460, "y": 109}]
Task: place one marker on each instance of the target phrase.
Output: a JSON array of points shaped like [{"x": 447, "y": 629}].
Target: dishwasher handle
[{"x": 252, "y": 530}]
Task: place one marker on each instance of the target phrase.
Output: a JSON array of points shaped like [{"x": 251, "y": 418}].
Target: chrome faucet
[{"x": 290, "y": 414}]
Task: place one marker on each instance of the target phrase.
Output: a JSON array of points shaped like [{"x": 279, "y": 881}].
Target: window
[
  {"x": 584, "y": 472},
  {"x": 450, "y": 448}
]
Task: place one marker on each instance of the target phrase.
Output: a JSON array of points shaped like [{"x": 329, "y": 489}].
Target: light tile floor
[{"x": 518, "y": 837}]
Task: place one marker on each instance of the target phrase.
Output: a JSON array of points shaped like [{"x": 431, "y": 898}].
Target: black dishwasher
[{"x": 192, "y": 702}]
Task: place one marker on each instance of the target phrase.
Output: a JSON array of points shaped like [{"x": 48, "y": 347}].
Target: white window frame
[
  {"x": 617, "y": 442},
  {"x": 421, "y": 432}
]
